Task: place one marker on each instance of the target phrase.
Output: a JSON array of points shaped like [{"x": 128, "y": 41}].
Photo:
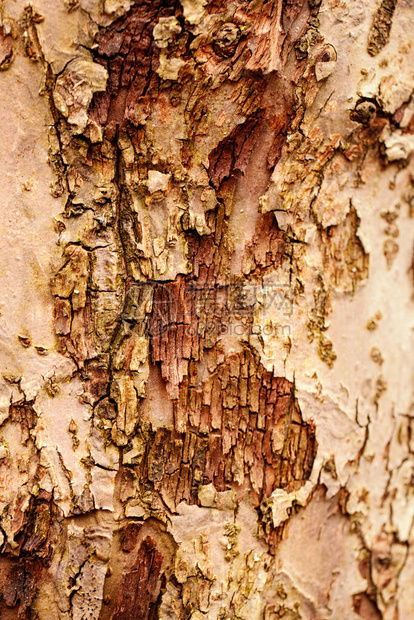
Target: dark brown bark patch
[{"x": 18, "y": 586}]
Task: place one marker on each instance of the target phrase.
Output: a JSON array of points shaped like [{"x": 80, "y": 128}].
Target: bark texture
[{"x": 206, "y": 321}]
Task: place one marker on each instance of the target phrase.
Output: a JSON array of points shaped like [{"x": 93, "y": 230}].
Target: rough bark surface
[{"x": 206, "y": 396}]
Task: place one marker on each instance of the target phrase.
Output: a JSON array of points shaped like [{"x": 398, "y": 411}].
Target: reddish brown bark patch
[
  {"x": 188, "y": 313},
  {"x": 129, "y": 536},
  {"x": 268, "y": 247},
  {"x": 365, "y": 608},
  {"x": 6, "y": 50},
  {"x": 23, "y": 413},
  {"x": 241, "y": 426},
  {"x": 139, "y": 590},
  {"x": 274, "y": 111},
  {"x": 271, "y": 37},
  {"x": 233, "y": 153},
  {"x": 96, "y": 381},
  {"x": 127, "y": 50},
  {"x": 191, "y": 314}
]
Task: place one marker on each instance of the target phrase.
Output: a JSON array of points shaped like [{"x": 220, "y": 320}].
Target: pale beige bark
[{"x": 264, "y": 155}]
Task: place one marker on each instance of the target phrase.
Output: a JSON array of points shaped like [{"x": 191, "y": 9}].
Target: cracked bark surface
[{"x": 206, "y": 397}]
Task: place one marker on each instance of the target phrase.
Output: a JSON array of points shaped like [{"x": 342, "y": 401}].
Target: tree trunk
[{"x": 206, "y": 313}]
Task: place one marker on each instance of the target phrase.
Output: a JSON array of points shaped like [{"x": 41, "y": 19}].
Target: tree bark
[{"x": 206, "y": 316}]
